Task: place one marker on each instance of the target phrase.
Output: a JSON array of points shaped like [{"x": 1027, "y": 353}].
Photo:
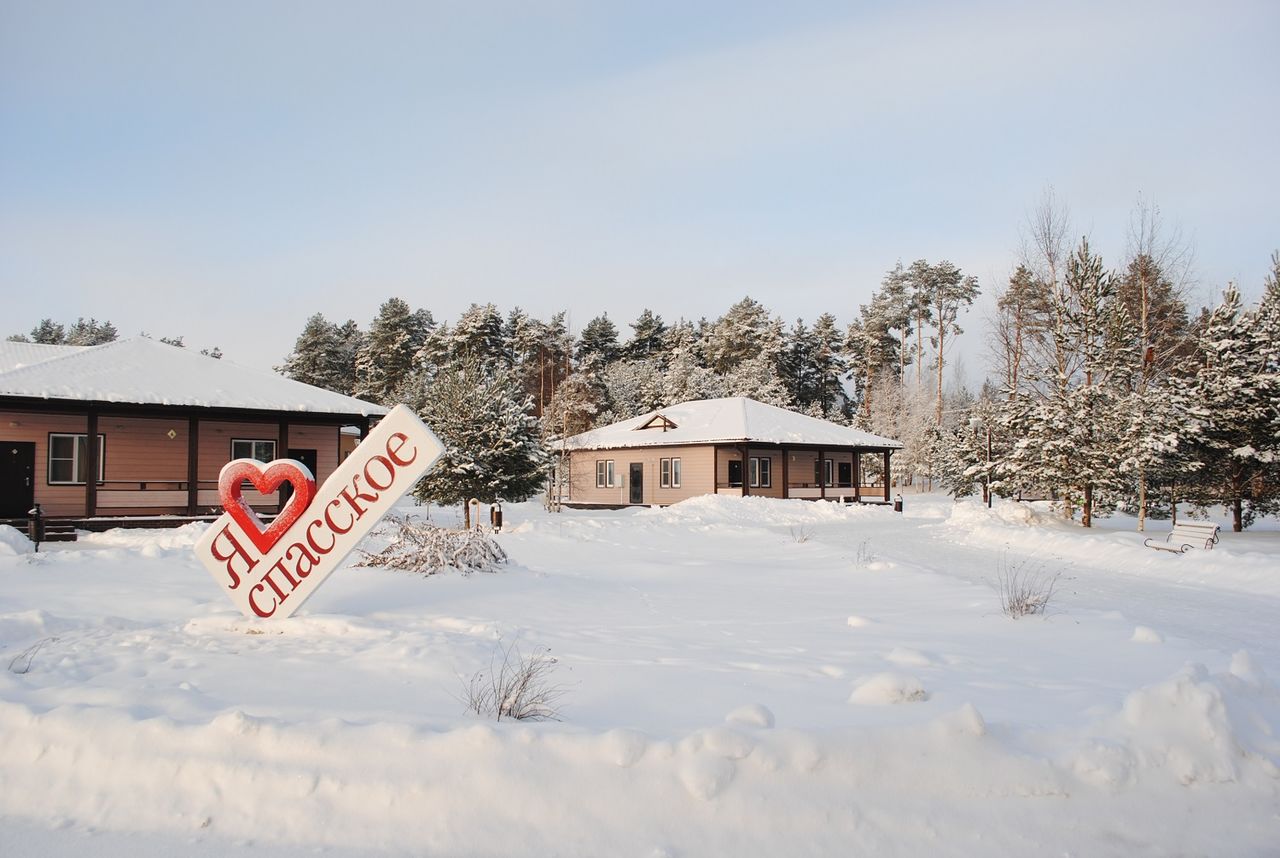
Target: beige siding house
[
  {"x": 734, "y": 446},
  {"x": 166, "y": 420}
]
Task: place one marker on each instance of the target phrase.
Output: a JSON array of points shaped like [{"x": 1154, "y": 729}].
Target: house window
[
  {"x": 760, "y": 472},
  {"x": 820, "y": 473},
  {"x": 245, "y": 448},
  {"x": 669, "y": 473},
  {"x": 69, "y": 459},
  {"x": 604, "y": 473}
]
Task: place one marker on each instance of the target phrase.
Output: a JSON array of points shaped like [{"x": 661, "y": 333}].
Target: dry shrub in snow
[
  {"x": 1025, "y": 587},
  {"x": 519, "y": 687},
  {"x": 800, "y": 534},
  {"x": 419, "y": 546}
]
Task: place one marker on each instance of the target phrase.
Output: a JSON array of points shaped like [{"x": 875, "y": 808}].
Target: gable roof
[
  {"x": 142, "y": 371},
  {"x": 730, "y": 420}
]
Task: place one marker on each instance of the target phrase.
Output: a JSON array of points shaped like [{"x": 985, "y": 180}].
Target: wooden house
[
  {"x": 164, "y": 421},
  {"x": 734, "y": 446}
]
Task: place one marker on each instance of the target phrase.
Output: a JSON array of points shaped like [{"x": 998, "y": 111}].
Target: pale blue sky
[{"x": 222, "y": 170}]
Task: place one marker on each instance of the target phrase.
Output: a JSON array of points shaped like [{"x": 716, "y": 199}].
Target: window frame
[
  {"x": 605, "y": 474},
  {"x": 669, "y": 473},
  {"x": 75, "y": 459},
  {"x": 761, "y": 470},
  {"x": 271, "y": 441}
]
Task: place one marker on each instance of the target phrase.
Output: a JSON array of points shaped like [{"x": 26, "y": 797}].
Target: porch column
[
  {"x": 857, "y": 475},
  {"x": 91, "y": 465},
  {"x": 822, "y": 474},
  {"x": 886, "y": 476},
  {"x": 715, "y": 471},
  {"x": 282, "y": 452},
  {"x": 746, "y": 473},
  {"x": 193, "y": 465},
  {"x": 786, "y": 477},
  {"x": 363, "y": 426}
]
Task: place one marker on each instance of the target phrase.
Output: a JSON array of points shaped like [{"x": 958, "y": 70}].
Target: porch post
[
  {"x": 786, "y": 478},
  {"x": 193, "y": 465},
  {"x": 282, "y": 452},
  {"x": 91, "y": 465},
  {"x": 746, "y": 472},
  {"x": 886, "y": 476},
  {"x": 363, "y": 426},
  {"x": 822, "y": 474},
  {"x": 715, "y": 470},
  {"x": 857, "y": 475}
]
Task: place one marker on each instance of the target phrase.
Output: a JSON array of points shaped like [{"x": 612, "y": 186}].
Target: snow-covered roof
[
  {"x": 143, "y": 371},
  {"x": 18, "y": 355},
  {"x": 729, "y": 420}
]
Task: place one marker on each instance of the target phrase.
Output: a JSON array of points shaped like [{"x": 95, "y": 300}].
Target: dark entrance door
[
  {"x": 735, "y": 473},
  {"x": 306, "y": 457},
  {"x": 844, "y": 474},
  {"x": 637, "y": 482},
  {"x": 17, "y": 478}
]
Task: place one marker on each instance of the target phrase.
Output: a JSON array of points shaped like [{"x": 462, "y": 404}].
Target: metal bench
[{"x": 1196, "y": 534}]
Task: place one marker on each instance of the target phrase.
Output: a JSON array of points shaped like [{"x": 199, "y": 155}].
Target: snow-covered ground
[{"x": 741, "y": 677}]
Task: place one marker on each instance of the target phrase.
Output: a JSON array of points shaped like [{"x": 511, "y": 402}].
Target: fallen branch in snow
[
  {"x": 519, "y": 688},
  {"x": 1024, "y": 589},
  {"x": 21, "y": 663},
  {"x": 422, "y": 547}
]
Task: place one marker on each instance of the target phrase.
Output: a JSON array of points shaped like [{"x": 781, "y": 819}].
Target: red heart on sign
[{"x": 266, "y": 479}]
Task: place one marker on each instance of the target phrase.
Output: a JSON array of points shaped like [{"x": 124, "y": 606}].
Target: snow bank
[
  {"x": 515, "y": 789},
  {"x": 14, "y": 542}
]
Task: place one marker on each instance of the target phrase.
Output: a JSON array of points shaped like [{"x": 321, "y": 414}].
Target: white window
[
  {"x": 675, "y": 473},
  {"x": 604, "y": 474},
  {"x": 760, "y": 472},
  {"x": 247, "y": 448},
  {"x": 669, "y": 473},
  {"x": 69, "y": 458},
  {"x": 827, "y": 471}
]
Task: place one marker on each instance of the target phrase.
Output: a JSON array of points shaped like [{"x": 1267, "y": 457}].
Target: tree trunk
[
  {"x": 1086, "y": 510},
  {"x": 941, "y": 341},
  {"x": 1142, "y": 499},
  {"x": 1237, "y": 514}
]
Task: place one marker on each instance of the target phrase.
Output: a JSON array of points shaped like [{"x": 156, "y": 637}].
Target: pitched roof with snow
[
  {"x": 731, "y": 420},
  {"x": 142, "y": 371}
]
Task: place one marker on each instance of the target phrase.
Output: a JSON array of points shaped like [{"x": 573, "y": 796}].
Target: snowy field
[{"x": 741, "y": 677}]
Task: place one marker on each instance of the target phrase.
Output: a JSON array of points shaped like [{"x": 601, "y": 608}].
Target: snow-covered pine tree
[
  {"x": 830, "y": 365},
  {"x": 686, "y": 378},
  {"x": 91, "y": 333},
  {"x": 1071, "y": 434},
  {"x": 385, "y": 360},
  {"x": 49, "y": 333},
  {"x": 870, "y": 346},
  {"x": 478, "y": 333},
  {"x": 950, "y": 291},
  {"x": 312, "y": 358},
  {"x": 492, "y": 449},
  {"x": 741, "y": 333},
  {"x": 798, "y": 365},
  {"x": 648, "y": 338},
  {"x": 598, "y": 343},
  {"x": 919, "y": 293},
  {"x": 1235, "y": 398},
  {"x": 756, "y": 378},
  {"x": 634, "y": 387}
]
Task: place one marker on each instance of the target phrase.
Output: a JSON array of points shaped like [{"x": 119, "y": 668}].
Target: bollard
[
  {"x": 897, "y": 503},
  {"x": 35, "y": 525},
  {"x": 495, "y": 517}
]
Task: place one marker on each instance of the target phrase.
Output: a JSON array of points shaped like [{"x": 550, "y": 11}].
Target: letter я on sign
[{"x": 269, "y": 571}]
